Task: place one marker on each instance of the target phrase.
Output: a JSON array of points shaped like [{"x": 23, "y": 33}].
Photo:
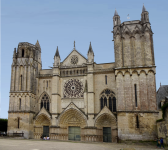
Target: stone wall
[
  {"x": 162, "y": 128},
  {"x": 127, "y": 126}
]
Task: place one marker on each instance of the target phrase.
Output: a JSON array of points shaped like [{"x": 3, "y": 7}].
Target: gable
[{"x": 74, "y": 59}]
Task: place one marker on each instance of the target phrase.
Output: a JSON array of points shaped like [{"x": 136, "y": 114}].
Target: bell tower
[{"x": 24, "y": 70}]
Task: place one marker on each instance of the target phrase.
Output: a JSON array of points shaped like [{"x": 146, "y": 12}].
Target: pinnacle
[
  {"x": 143, "y": 8},
  {"x": 90, "y": 48},
  {"x": 37, "y": 43},
  {"x": 57, "y": 53},
  {"x": 115, "y": 13}
]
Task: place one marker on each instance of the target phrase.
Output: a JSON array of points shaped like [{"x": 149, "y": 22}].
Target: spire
[
  {"x": 90, "y": 48},
  {"x": 57, "y": 53},
  {"x": 115, "y": 13},
  {"x": 37, "y": 43},
  {"x": 14, "y": 53},
  {"x": 143, "y": 8}
]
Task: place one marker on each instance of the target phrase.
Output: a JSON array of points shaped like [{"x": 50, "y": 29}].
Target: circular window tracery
[
  {"x": 73, "y": 88},
  {"x": 74, "y": 59}
]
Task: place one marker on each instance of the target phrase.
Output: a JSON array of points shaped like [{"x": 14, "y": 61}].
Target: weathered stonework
[{"x": 117, "y": 97}]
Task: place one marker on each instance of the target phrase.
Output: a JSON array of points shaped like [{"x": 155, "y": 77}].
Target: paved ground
[{"x": 15, "y": 144}]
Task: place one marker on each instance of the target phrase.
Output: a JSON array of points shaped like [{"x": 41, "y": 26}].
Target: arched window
[
  {"x": 101, "y": 101},
  {"x": 21, "y": 82},
  {"x": 20, "y": 104},
  {"x": 137, "y": 121},
  {"x": 105, "y": 79},
  {"x": 114, "y": 104},
  {"x": 22, "y": 52},
  {"x": 105, "y": 101},
  {"x": 45, "y": 102},
  {"x": 110, "y": 103},
  {"x": 108, "y": 99}
]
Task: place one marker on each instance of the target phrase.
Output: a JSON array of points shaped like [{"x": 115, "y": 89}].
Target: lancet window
[
  {"x": 107, "y": 98},
  {"x": 45, "y": 102}
]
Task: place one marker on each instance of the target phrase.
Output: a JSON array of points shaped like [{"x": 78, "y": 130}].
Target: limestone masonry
[{"x": 80, "y": 100}]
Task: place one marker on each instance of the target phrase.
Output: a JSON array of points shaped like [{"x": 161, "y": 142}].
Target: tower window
[
  {"x": 45, "y": 102},
  {"x": 135, "y": 88},
  {"x": 105, "y": 79},
  {"x": 18, "y": 122},
  {"x": 21, "y": 82},
  {"x": 101, "y": 101},
  {"x": 20, "y": 104},
  {"x": 114, "y": 104},
  {"x": 22, "y": 52},
  {"x": 108, "y": 99},
  {"x": 47, "y": 83},
  {"x": 137, "y": 121},
  {"x": 110, "y": 103}
]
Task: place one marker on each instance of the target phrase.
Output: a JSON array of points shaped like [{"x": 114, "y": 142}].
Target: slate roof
[{"x": 161, "y": 94}]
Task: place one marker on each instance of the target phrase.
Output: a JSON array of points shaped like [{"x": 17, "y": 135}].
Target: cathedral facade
[{"x": 78, "y": 99}]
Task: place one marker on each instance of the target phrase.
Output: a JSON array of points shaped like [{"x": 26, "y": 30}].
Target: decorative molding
[{"x": 22, "y": 111}]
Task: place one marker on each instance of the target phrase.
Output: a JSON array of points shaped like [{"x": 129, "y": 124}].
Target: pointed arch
[
  {"x": 42, "y": 119},
  {"x": 44, "y": 101},
  {"x": 105, "y": 119},
  {"x": 40, "y": 97},
  {"x": 72, "y": 117}
]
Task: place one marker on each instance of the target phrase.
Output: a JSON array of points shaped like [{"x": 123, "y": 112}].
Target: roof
[
  {"x": 161, "y": 94},
  {"x": 115, "y": 13},
  {"x": 143, "y": 9}
]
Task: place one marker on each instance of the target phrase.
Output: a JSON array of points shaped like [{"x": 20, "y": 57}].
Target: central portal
[
  {"x": 74, "y": 133},
  {"x": 106, "y": 134}
]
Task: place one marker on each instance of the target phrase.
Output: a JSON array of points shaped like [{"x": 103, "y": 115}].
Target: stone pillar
[
  {"x": 55, "y": 100},
  {"x": 90, "y": 79},
  {"x": 12, "y": 78}
]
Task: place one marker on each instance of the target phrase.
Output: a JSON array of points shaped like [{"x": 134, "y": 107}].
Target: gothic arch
[
  {"x": 72, "y": 117},
  {"x": 44, "y": 101},
  {"x": 40, "y": 97},
  {"x": 106, "y": 120},
  {"x": 107, "y": 98},
  {"x": 42, "y": 119}
]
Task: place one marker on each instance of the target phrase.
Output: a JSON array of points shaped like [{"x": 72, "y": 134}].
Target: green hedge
[{"x": 3, "y": 124}]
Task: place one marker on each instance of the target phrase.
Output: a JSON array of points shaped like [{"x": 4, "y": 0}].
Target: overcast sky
[{"x": 60, "y": 22}]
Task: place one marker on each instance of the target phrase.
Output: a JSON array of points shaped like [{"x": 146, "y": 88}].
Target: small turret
[
  {"x": 14, "y": 53},
  {"x": 144, "y": 15},
  {"x": 90, "y": 54},
  {"x": 116, "y": 19},
  {"x": 57, "y": 58}
]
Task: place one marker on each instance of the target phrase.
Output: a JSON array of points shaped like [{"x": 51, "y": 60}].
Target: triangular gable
[
  {"x": 81, "y": 59},
  {"x": 43, "y": 111},
  {"x": 126, "y": 29},
  {"x": 105, "y": 110},
  {"x": 137, "y": 29},
  {"x": 71, "y": 106}
]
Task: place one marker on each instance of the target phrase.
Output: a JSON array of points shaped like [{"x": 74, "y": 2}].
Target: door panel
[
  {"x": 45, "y": 130},
  {"x": 74, "y": 133},
  {"x": 106, "y": 134}
]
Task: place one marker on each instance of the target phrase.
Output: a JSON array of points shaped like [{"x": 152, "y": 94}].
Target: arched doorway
[
  {"x": 41, "y": 126},
  {"x": 73, "y": 120},
  {"x": 107, "y": 123}
]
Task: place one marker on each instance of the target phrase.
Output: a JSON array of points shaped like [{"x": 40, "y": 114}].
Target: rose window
[
  {"x": 74, "y": 59},
  {"x": 73, "y": 88}
]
